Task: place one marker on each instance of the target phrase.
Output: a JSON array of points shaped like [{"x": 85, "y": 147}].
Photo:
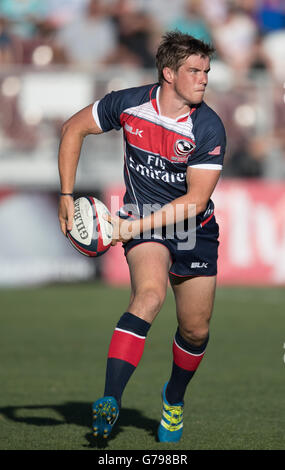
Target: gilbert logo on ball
[{"x": 91, "y": 233}]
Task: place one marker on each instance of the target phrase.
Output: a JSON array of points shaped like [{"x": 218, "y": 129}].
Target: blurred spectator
[
  {"x": 215, "y": 11},
  {"x": 247, "y": 160},
  {"x": 62, "y": 12},
  {"x": 259, "y": 62},
  {"x": 42, "y": 49},
  {"x": 273, "y": 46},
  {"x": 235, "y": 40},
  {"x": 136, "y": 33},
  {"x": 15, "y": 132},
  {"x": 192, "y": 21},
  {"x": 90, "y": 38},
  {"x": 237, "y": 105},
  {"x": 254, "y": 119},
  {"x": 270, "y": 15},
  {"x": 278, "y": 104},
  {"x": 23, "y": 16},
  {"x": 275, "y": 162},
  {"x": 160, "y": 11},
  {"x": 247, "y": 6},
  {"x": 11, "y": 50}
]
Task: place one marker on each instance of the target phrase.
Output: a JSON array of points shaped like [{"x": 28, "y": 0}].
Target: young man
[{"x": 174, "y": 148}]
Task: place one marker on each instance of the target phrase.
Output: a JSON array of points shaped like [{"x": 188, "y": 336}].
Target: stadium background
[{"x": 59, "y": 56}]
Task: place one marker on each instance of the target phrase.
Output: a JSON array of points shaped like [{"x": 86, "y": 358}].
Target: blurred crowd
[
  {"x": 246, "y": 33},
  {"x": 249, "y": 37}
]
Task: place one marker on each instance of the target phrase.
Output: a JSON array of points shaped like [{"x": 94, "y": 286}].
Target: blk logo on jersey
[
  {"x": 133, "y": 131},
  {"x": 182, "y": 149}
]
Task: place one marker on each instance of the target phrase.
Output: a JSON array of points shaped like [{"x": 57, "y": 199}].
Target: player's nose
[{"x": 204, "y": 78}]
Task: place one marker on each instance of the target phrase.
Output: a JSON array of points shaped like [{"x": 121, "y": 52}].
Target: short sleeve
[
  {"x": 107, "y": 111},
  {"x": 210, "y": 147}
]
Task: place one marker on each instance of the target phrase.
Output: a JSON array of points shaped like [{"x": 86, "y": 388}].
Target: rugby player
[{"x": 174, "y": 145}]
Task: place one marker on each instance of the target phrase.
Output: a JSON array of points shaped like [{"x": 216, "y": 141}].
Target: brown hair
[{"x": 175, "y": 48}]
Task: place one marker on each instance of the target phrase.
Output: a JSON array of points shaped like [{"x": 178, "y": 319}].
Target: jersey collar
[{"x": 154, "y": 98}]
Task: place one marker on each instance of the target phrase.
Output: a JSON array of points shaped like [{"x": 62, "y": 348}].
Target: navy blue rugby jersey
[{"x": 158, "y": 149}]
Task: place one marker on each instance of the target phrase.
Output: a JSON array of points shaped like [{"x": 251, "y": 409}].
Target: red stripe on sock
[
  {"x": 185, "y": 359},
  {"x": 127, "y": 347}
]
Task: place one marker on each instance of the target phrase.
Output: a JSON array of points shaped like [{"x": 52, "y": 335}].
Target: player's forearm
[
  {"x": 68, "y": 157},
  {"x": 176, "y": 211}
]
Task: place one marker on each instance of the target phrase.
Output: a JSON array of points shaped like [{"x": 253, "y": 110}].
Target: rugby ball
[{"x": 91, "y": 234}]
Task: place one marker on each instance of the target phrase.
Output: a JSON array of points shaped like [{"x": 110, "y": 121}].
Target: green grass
[{"x": 54, "y": 342}]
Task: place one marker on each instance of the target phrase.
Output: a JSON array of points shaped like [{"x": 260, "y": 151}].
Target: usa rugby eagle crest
[{"x": 183, "y": 148}]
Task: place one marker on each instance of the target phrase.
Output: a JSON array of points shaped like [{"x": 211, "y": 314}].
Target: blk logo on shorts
[{"x": 198, "y": 265}]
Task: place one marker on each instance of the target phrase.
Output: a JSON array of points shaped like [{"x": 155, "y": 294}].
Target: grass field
[{"x": 54, "y": 342}]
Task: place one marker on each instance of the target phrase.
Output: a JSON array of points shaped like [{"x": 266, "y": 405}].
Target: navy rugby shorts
[{"x": 201, "y": 260}]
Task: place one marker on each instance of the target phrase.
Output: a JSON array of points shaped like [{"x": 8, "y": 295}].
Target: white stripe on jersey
[
  {"x": 95, "y": 114},
  {"x": 207, "y": 166},
  {"x": 146, "y": 111}
]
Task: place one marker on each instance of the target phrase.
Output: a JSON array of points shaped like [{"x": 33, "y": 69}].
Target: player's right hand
[
  {"x": 66, "y": 213},
  {"x": 122, "y": 229}
]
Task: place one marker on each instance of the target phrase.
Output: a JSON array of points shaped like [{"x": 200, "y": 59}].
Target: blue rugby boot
[
  {"x": 171, "y": 424},
  {"x": 105, "y": 414}
]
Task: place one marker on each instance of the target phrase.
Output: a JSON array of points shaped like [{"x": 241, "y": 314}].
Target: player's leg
[
  {"x": 194, "y": 303},
  {"x": 148, "y": 265}
]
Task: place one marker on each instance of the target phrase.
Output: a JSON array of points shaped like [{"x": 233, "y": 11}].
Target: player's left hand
[{"x": 122, "y": 229}]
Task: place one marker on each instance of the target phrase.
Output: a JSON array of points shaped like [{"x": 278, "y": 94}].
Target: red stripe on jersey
[
  {"x": 127, "y": 347},
  {"x": 185, "y": 359},
  {"x": 152, "y": 138}
]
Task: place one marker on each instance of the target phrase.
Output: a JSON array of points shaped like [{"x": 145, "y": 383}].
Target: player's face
[{"x": 191, "y": 79}]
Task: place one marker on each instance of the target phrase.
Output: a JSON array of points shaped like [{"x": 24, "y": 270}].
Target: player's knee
[
  {"x": 152, "y": 299},
  {"x": 148, "y": 302},
  {"x": 195, "y": 335}
]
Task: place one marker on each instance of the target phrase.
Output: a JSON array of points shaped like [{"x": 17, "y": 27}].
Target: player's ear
[{"x": 168, "y": 74}]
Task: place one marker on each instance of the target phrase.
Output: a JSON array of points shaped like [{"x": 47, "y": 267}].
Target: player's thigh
[
  {"x": 148, "y": 265},
  {"x": 194, "y": 302}
]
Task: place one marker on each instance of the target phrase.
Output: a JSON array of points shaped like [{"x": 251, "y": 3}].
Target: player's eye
[{"x": 193, "y": 72}]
